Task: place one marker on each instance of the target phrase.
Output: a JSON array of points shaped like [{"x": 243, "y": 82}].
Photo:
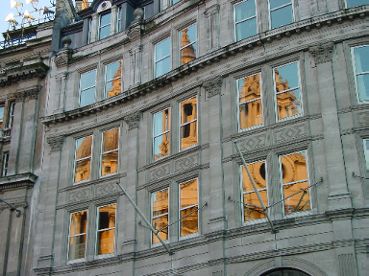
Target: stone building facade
[
  {"x": 23, "y": 86},
  {"x": 158, "y": 96}
]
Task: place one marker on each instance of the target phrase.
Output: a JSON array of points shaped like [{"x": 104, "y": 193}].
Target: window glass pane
[
  {"x": 361, "y": 59},
  {"x": 286, "y": 77},
  {"x": 294, "y": 167},
  {"x": 281, "y": 17},
  {"x": 299, "y": 199},
  {"x": 83, "y": 147},
  {"x": 107, "y": 217},
  {"x": 104, "y": 32},
  {"x": 162, "y": 67},
  {"x": 246, "y": 29},
  {"x": 161, "y": 146},
  {"x": 5, "y": 162},
  {"x": 87, "y": 96},
  {"x": 162, "y": 49},
  {"x": 109, "y": 163},
  {"x": 289, "y": 104},
  {"x": 110, "y": 139},
  {"x": 160, "y": 201},
  {"x": 78, "y": 223},
  {"x": 278, "y": 3},
  {"x": 257, "y": 171},
  {"x": 188, "y": 193},
  {"x": 82, "y": 170},
  {"x": 106, "y": 229},
  {"x": 105, "y": 19},
  {"x": 113, "y": 70},
  {"x": 356, "y": 3},
  {"x": 252, "y": 207},
  {"x": 188, "y": 110},
  {"x": 77, "y": 235},
  {"x": 88, "y": 79},
  {"x": 105, "y": 242},
  {"x": 161, "y": 122},
  {"x": 77, "y": 247},
  {"x": 188, "y": 54},
  {"x": 189, "y": 135},
  {"x": 251, "y": 115},
  {"x": 190, "y": 221},
  {"x": 188, "y": 45},
  {"x": 244, "y": 10},
  {"x": 162, "y": 224},
  {"x": 363, "y": 87},
  {"x": 366, "y": 152}
]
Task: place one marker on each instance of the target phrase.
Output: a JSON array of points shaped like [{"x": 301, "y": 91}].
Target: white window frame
[
  {"x": 244, "y": 20},
  {"x": 69, "y": 236},
  {"x": 118, "y": 27},
  {"x": 5, "y": 163},
  {"x": 163, "y": 58},
  {"x": 288, "y": 90},
  {"x": 280, "y": 7},
  {"x": 253, "y": 191},
  {"x": 196, "y": 41},
  {"x": 2, "y": 106},
  {"x": 86, "y": 88},
  {"x": 162, "y": 133},
  {"x": 106, "y": 80},
  {"x": 105, "y": 229},
  {"x": 358, "y": 74},
  {"x": 102, "y": 152},
  {"x": 11, "y": 115},
  {"x": 302, "y": 213},
  {"x": 196, "y": 120},
  {"x": 188, "y": 207},
  {"x": 366, "y": 153},
  {"x": 85, "y": 158},
  {"x": 155, "y": 217},
  {"x": 103, "y": 26},
  {"x": 250, "y": 101}
]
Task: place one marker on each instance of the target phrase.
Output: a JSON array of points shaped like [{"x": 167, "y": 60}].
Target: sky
[{"x": 5, "y": 9}]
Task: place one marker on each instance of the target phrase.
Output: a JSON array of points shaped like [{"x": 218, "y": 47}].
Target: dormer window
[{"x": 105, "y": 25}]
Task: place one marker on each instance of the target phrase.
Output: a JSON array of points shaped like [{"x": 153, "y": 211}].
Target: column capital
[
  {"x": 133, "y": 120},
  {"x": 322, "y": 53},
  {"x": 55, "y": 142},
  {"x": 213, "y": 87}
]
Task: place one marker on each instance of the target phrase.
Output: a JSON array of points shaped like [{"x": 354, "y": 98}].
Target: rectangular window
[
  {"x": 5, "y": 162},
  {"x": 245, "y": 19},
  {"x": 162, "y": 57},
  {"x": 287, "y": 90},
  {"x": 356, "y": 3},
  {"x": 360, "y": 56},
  {"x": 366, "y": 153},
  {"x": 189, "y": 208},
  {"x": 1, "y": 115},
  {"x": 77, "y": 235},
  {"x": 188, "y": 123},
  {"x": 113, "y": 79},
  {"x": 105, "y": 25},
  {"x": 105, "y": 233},
  {"x": 160, "y": 214},
  {"x": 295, "y": 182},
  {"x": 119, "y": 20},
  {"x": 110, "y": 151},
  {"x": 252, "y": 209},
  {"x": 249, "y": 102},
  {"x": 188, "y": 43},
  {"x": 161, "y": 134},
  {"x": 87, "y": 88},
  {"x": 281, "y": 13},
  {"x": 10, "y": 115},
  {"x": 82, "y": 157}
]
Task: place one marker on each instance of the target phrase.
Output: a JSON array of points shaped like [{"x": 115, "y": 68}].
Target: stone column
[
  {"x": 93, "y": 31},
  {"x": 113, "y": 19},
  {"x": 212, "y": 29},
  {"x": 45, "y": 233},
  {"x": 136, "y": 65}
]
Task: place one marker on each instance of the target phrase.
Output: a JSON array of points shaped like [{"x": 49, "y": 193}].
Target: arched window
[{"x": 285, "y": 272}]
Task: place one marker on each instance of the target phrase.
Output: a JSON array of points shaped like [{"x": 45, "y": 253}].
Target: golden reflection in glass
[
  {"x": 77, "y": 235},
  {"x": 252, "y": 208},
  {"x": 106, "y": 229},
  {"x": 82, "y": 168},
  {"x": 295, "y": 182},
  {"x": 113, "y": 79},
  {"x": 188, "y": 44},
  {"x": 189, "y": 208},
  {"x": 160, "y": 214},
  {"x": 161, "y": 134},
  {"x": 110, "y": 149},
  {"x": 287, "y": 89},
  {"x": 85, "y": 4},
  {"x": 250, "y": 106},
  {"x": 188, "y": 129}
]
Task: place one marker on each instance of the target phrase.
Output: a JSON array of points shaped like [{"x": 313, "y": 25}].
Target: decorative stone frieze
[
  {"x": 133, "y": 120},
  {"x": 55, "y": 142},
  {"x": 322, "y": 53},
  {"x": 213, "y": 87}
]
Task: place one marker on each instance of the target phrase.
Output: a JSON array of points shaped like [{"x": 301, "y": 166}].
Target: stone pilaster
[{"x": 212, "y": 22}]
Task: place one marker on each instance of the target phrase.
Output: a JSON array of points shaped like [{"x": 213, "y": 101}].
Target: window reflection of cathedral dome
[{"x": 187, "y": 54}]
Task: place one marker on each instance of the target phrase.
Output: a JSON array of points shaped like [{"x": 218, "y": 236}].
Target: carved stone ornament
[
  {"x": 63, "y": 57},
  {"x": 322, "y": 53},
  {"x": 134, "y": 31},
  {"x": 27, "y": 94},
  {"x": 55, "y": 142},
  {"x": 133, "y": 120},
  {"x": 213, "y": 87}
]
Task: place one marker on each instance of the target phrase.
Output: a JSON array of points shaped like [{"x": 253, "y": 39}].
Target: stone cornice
[
  {"x": 214, "y": 57},
  {"x": 17, "y": 181}
]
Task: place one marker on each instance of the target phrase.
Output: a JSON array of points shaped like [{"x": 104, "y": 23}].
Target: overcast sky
[{"x": 5, "y": 9}]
